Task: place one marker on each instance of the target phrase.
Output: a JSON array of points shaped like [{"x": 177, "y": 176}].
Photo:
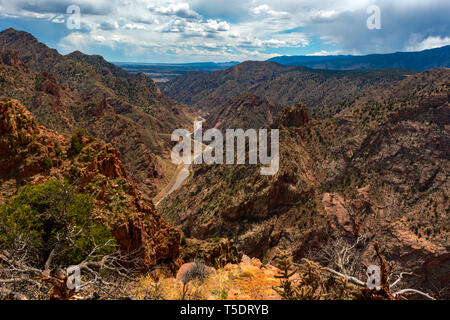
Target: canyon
[{"x": 363, "y": 163}]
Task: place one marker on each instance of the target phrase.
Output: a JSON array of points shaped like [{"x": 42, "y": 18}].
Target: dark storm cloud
[
  {"x": 402, "y": 27},
  {"x": 60, "y": 6}
]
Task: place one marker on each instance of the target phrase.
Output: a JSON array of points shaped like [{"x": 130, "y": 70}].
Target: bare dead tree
[
  {"x": 18, "y": 278},
  {"x": 103, "y": 277},
  {"x": 112, "y": 275},
  {"x": 341, "y": 256},
  {"x": 342, "y": 261},
  {"x": 197, "y": 271}
]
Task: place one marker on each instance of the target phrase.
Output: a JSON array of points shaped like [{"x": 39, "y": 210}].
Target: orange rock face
[
  {"x": 34, "y": 154},
  {"x": 17, "y": 126},
  {"x": 334, "y": 205}
]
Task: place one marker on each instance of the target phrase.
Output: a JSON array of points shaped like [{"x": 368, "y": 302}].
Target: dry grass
[{"x": 233, "y": 282}]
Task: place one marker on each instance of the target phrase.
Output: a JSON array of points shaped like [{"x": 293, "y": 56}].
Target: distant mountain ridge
[
  {"x": 161, "y": 72},
  {"x": 421, "y": 61},
  {"x": 75, "y": 91},
  {"x": 280, "y": 85},
  {"x": 191, "y": 66}
]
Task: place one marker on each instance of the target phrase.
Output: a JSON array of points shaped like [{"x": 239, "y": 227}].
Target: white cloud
[
  {"x": 192, "y": 30},
  {"x": 325, "y": 53},
  {"x": 134, "y": 26},
  {"x": 213, "y": 26},
  {"x": 265, "y": 9},
  {"x": 196, "y": 28},
  {"x": 428, "y": 43},
  {"x": 181, "y": 10}
]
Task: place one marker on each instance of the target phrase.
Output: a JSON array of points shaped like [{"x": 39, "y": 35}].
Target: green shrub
[
  {"x": 58, "y": 151},
  {"x": 48, "y": 163},
  {"x": 76, "y": 143},
  {"x": 48, "y": 216},
  {"x": 223, "y": 294}
]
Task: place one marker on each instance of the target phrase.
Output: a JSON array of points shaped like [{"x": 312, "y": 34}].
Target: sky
[{"x": 181, "y": 31}]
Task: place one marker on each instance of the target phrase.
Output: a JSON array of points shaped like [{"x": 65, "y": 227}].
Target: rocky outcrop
[
  {"x": 46, "y": 82},
  {"x": 214, "y": 252},
  {"x": 11, "y": 58},
  {"x": 17, "y": 126},
  {"x": 294, "y": 116},
  {"x": 107, "y": 163},
  {"x": 34, "y": 154},
  {"x": 334, "y": 206},
  {"x": 243, "y": 112}
]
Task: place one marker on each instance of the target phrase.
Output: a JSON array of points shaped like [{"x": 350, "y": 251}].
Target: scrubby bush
[
  {"x": 58, "y": 151},
  {"x": 56, "y": 220},
  {"x": 76, "y": 143},
  {"x": 48, "y": 163},
  {"x": 196, "y": 272}
]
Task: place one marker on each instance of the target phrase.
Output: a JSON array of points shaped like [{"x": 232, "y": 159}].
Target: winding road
[{"x": 181, "y": 174}]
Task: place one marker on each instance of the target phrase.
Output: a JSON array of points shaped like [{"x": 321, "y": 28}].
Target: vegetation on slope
[
  {"x": 377, "y": 170},
  {"x": 65, "y": 93}
]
